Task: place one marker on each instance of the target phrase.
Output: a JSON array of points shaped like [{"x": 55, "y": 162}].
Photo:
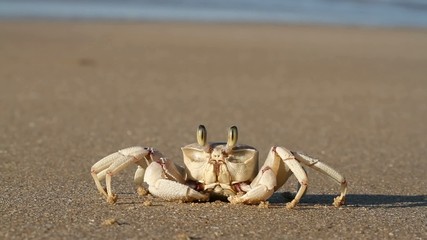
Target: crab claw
[{"x": 160, "y": 186}]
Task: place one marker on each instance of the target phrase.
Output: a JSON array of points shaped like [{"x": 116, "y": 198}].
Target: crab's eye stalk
[
  {"x": 232, "y": 138},
  {"x": 201, "y": 135}
]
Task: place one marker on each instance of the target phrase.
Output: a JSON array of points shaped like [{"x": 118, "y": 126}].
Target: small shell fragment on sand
[{"x": 109, "y": 222}]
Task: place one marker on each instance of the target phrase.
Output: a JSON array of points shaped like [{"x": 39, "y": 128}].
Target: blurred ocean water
[{"x": 390, "y": 13}]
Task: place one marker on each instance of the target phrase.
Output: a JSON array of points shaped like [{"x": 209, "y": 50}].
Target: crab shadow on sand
[
  {"x": 352, "y": 200},
  {"x": 357, "y": 200}
]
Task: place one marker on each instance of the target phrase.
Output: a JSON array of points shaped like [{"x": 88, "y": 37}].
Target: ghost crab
[{"x": 213, "y": 170}]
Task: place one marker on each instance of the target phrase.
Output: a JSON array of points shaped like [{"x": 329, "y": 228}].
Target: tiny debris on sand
[
  {"x": 147, "y": 203},
  {"x": 109, "y": 222}
]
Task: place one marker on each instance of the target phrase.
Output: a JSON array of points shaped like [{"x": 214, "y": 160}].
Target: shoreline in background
[
  {"x": 127, "y": 22},
  {"x": 412, "y": 14}
]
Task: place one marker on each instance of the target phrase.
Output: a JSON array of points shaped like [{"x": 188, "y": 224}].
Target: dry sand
[{"x": 72, "y": 93}]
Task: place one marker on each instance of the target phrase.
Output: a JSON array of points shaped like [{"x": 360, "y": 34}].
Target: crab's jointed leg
[
  {"x": 166, "y": 180},
  {"x": 116, "y": 162},
  {"x": 296, "y": 168},
  {"x": 291, "y": 158},
  {"x": 328, "y": 171},
  {"x": 278, "y": 167}
]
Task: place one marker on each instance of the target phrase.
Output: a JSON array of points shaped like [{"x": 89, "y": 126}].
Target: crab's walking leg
[
  {"x": 114, "y": 163},
  {"x": 164, "y": 181},
  {"x": 99, "y": 170},
  {"x": 328, "y": 171},
  {"x": 139, "y": 181},
  {"x": 297, "y": 170}
]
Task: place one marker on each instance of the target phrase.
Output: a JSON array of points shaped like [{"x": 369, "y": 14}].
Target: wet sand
[{"x": 72, "y": 93}]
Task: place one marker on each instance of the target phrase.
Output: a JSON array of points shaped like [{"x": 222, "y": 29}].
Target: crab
[{"x": 217, "y": 170}]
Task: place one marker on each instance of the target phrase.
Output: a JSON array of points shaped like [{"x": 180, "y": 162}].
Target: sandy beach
[{"x": 73, "y": 92}]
